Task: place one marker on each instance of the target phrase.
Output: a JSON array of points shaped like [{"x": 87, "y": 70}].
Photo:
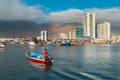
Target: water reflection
[
  {"x": 70, "y": 63},
  {"x": 97, "y": 53},
  {"x": 31, "y": 47},
  {"x": 42, "y": 66},
  {"x": 2, "y": 49}
]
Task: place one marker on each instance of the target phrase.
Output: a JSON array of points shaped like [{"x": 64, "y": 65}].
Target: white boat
[
  {"x": 2, "y": 45},
  {"x": 31, "y": 43}
]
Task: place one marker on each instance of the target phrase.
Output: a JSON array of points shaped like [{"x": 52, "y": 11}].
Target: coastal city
[
  {"x": 59, "y": 40},
  {"x": 91, "y": 33}
]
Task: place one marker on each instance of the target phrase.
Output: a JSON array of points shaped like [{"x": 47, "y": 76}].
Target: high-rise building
[
  {"x": 89, "y": 24},
  {"x": 79, "y": 32},
  {"x": 103, "y": 30},
  {"x": 71, "y": 35},
  {"x": 44, "y": 35}
]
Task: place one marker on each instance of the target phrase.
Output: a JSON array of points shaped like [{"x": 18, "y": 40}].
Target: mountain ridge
[{"x": 23, "y": 28}]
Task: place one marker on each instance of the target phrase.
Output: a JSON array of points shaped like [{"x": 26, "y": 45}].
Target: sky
[{"x": 63, "y": 11}]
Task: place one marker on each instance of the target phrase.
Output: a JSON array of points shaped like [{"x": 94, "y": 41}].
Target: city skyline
[{"x": 55, "y": 11}]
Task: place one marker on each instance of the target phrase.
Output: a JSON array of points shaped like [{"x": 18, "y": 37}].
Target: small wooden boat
[
  {"x": 31, "y": 43},
  {"x": 65, "y": 43},
  {"x": 58, "y": 44},
  {"x": 73, "y": 44},
  {"x": 37, "y": 57},
  {"x": 2, "y": 45},
  {"x": 43, "y": 45}
]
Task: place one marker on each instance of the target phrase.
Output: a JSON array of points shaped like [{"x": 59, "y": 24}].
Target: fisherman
[{"x": 45, "y": 53}]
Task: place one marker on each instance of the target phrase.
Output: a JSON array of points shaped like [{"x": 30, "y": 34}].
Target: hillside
[
  {"x": 29, "y": 28},
  {"x": 22, "y": 28}
]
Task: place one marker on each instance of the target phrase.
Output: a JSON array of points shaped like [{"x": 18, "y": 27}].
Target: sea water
[{"x": 100, "y": 62}]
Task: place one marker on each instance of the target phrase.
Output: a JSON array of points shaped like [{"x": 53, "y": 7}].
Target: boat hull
[{"x": 38, "y": 58}]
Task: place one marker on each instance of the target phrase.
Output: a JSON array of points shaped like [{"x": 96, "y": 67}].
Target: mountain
[{"x": 29, "y": 28}]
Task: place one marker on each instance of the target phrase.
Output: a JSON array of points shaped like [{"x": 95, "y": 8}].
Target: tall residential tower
[
  {"x": 89, "y": 24},
  {"x": 103, "y": 30},
  {"x": 44, "y": 35}
]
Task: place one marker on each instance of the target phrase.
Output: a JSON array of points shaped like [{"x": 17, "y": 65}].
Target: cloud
[
  {"x": 111, "y": 15},
  {"x": 16, "y": 10},
  {"x": 70, "y": 15},
  {"x": 75, "y": 15}
]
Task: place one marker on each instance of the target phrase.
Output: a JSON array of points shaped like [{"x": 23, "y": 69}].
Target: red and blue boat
[{"x": 37, "y": 57}]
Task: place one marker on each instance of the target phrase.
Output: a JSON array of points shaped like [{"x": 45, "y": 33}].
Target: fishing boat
[
  {"x": 73, "y": 44},
  {"x": 57, "y": 44},
  {"x": 43, "y": 44},
  {"x": 31, "y": 43},
  {"x": 2, "y": 45},
  {"x": 65, "y": 44},
  {"x": 37, "y": 57}
]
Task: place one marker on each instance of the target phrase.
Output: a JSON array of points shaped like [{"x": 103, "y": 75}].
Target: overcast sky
[{"x": 60, "y": 11}]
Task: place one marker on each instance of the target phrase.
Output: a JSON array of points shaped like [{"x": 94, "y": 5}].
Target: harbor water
[{"x": 100, "y": 62}]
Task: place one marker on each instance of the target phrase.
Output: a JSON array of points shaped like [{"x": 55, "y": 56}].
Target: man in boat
[{"x": 45, "y": 53}]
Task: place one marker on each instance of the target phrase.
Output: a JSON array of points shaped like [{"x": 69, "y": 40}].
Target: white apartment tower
[
  {"x": 71, "y": 35},
  {"x": 44, "y": 35},
  {"x": 103, "y": 30},
  {"x": 89, "y": 24}
]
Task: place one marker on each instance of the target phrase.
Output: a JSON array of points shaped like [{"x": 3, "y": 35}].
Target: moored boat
[
  {"x": 57, "y": 44},
  {"x": 31, "y": 43},
  {"x": 43, "y": 45},
  {"x": 73, "y": 44},
  {"x": 2, "y": 45},
  {"x": 65, "y": 43},
  {"x": 37, "y": 57}
]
